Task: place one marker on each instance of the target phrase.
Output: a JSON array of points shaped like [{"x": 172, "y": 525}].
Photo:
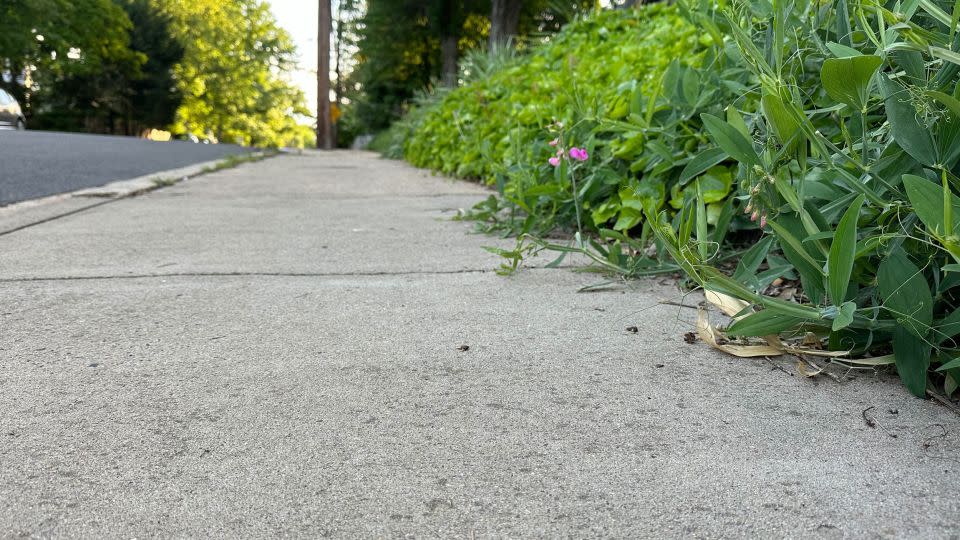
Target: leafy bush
[
  {"x": 828, "y": 132},
  {"x": 850, "y": 158},
  {"x": 590, "y": 77}
]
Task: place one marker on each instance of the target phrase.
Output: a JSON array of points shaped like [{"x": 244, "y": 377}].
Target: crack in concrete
[
  {"x": 58, "y": 216},
  {"x": 386, "y": 273}
]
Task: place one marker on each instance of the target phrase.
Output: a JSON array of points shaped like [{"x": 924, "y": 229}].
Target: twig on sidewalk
[
  {"x": 873, "y": 422},
  {"x": 944, "y": 401},
  {"x": 776, "y": 365},
  {"x": 672, "y": 303}
]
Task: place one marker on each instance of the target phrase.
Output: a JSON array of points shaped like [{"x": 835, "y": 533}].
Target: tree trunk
[
  {"x": 448, "y": 52},
  {"x": 324, "y": 131},
  {"x": 449, "y": 36},
  {"x": 504, "y": 18}
]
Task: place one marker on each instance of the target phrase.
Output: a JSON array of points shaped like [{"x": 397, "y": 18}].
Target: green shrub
[
  {"x": 850, "y": 161},
  {"x": 829, "y": 132},
  {"x": 590, "y": 77}
]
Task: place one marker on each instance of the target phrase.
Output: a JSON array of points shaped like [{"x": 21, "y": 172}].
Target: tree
[
  {"x": 325, "y": 137},
  {"x": 404, "y": 46},
  {"x": 127, "y": 93},
  {"x": 231, "y": 74},
  {"x": 450, "y": 25},
  {"x": 155, "y": 98},
  {"x": 504, "y": 20},
  {"x": 46, "y": 40},
  {"x": 407, "y": 46}
]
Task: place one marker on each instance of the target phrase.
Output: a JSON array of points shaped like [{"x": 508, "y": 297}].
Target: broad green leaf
[
  {"x": 735, "y": 119},
  {"x": 905, "y": 294},
  {"x": 949, "y": 101},
  {"x": 701, "y": 163},
  {"x": 946, "y": 54},
  {"x": 784, "y": 126},
  {"x": 955, "y": 363},
  {"x": 842, "y": 51},
  {"x": 811, "y": 271},
  {"x": 912, "y": 64},
  {"x": 907, "y": 131},
  {"x": 843, "y": 24},
  {"x": 764, "y": 323},
  {"x": 722, "y": 224},
  {"x": 713, "y": 186},
  {"x": 847, "y": 80},
  {"x": 947, "y": 327},
  {"x": 843, "y": 249},
  {"x": 786, "y": 191},
  {"x": 844, "y": 316},
  {"x": 750, "y": 261},
  {"x": 786, "y": 237},
  {"x": 927, "y": 200},
  {"x": 912, "y": 355},
  {"x": 731, "y": 140},
  {"x": 690, "y": 86}
]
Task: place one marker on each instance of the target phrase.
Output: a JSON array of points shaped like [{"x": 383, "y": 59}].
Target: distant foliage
[
  {"x": 210, "y": 68},
  {"x": 399, "y": 47},
  {"x": 229, "y": 75},
  {"x": 591, "y": 77}
]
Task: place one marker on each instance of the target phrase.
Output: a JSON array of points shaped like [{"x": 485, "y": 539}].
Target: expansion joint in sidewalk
[{"x": 244, "y": 274}]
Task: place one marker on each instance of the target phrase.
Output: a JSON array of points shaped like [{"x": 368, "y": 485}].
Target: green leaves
[
  {"x": 784, "y": 125},
  {"x": 858, "y": 197},
  {"x": 764, "y": 323},
  {"x": 928, "y": 202},
  {"x": 701, "y": 163},
  {"x": 730, "y": 140},
  {"x": 847, "y": 80},
  {"x": 912, "y": 356},
  {"x": 905, "y": 294},
  {"x": 843, "y": 250},
  {"x": 951, "y": 102},
  {"x": 907, "y": 131},
  {"x": 844, "y": 316}
]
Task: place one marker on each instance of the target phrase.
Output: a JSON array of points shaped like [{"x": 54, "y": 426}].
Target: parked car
[{"x": 10, "y": 114}]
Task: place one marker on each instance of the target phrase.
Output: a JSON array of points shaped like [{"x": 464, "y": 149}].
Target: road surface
[{"x": 37, "y": 164}]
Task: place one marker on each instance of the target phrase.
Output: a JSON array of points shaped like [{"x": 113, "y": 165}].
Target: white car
[{"x": 11, "y": 116}]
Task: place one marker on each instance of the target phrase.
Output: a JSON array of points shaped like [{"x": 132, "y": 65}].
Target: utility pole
[
  {"x": 338, "y": 51},
  {"x": 324, "y": 125}
]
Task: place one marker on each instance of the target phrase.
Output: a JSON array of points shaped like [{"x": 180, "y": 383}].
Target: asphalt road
[{"x": 37, "y": 164}]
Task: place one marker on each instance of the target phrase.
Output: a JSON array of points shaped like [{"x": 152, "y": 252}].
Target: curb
[{"x": 122, "y": 189}]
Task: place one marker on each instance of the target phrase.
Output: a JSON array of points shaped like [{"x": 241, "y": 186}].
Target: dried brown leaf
[{"x": 715, "y": 338}]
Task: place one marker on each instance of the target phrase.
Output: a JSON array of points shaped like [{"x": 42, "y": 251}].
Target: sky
[{"x": 299, "y": 19}]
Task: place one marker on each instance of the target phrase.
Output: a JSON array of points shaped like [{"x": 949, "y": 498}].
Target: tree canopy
[
  {"x": 406, "y": 46},
  {"x": 210, "y": 68}
]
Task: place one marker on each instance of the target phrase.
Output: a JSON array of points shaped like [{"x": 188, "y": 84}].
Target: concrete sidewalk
[{"x": 273, "y": 350}]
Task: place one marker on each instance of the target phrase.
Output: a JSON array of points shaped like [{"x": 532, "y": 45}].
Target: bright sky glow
[{"x": 299, "y": 19}]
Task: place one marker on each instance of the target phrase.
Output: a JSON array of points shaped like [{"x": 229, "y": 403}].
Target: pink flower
[
  {"x": 763, "y": 220},
  {"x": 554, "y": 161},
  {"x": 554, "y": 142},
  {"x": 754, "y": 215},
  {"x": 559, "y": 152},
  {"x": 579, "y": 154}
]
